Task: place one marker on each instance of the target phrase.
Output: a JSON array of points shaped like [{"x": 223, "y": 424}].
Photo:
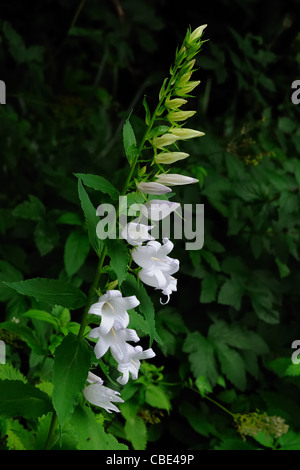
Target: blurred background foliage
[{"x": 73, "y": 72}]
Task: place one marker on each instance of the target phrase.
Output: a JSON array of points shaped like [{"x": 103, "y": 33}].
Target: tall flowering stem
[{"x": 156, "y": 267}]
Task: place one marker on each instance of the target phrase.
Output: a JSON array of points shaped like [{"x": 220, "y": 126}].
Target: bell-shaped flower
[
  {"x": 170, "y": 157},
  {"x": 158, "y": 209},
  {"x": 153, "y": 188},
  {"x": 130, "y": 364},
  {"x": 101, "y": 396},
  {"x": 174, "y": 179},
  {"x": 157, "y": 267},
  {"x": 136, "y": 234},
  {"x": 112, "y": 308},
  {"x": 115, "y": 340}
]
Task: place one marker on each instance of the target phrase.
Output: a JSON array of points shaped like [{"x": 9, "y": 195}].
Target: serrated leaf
[
  {"x": 231, "y": 293},
  {"x": 157, "y": 397},
  {"x": 201, "y": 356},
  {"x": 77, "y": 248},
  {"x": 71, "y": 366},
  {"x": 136, "y": 432},
  {"x": 90, "y": 434},
  {"x": 53, "y": 291},
  {"x": 20, "y": 399},
  {"x": 232, "y": 366},
  {"x": 9, "y": 372}
]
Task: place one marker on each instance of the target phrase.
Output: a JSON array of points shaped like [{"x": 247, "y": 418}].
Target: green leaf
[
  {"x": 119, "y": 257},
  {"x": 41, "y": 315},
  {"x": 90, "y": 217},
  {"x": 136, "y": 432},
  {"x": 235, "y": 444},
  {"x": 77, "y": 248},
  {"x": 203, "y": 386},
  {"x": 8, "y": 372},
  {"x": 71, "y": 366},
  {"x": 232, "y": 366},
  {"x": 99, "y": 183},
  {"x": 209, "y": 288},
  {"x": 293, "y": 370},
  {"x": 289, "y": 441},
  {"x": 129, "y": 142},
  {"x": 33, "y": 209},
  {"x": 201, "y": 356},
  {"x": 90, "y": 434},
  {"x": 156, "y": 397},
  {"x": 147, "y": 110},
  {"x": 53, "y": 291},
  {"x": 231, "y": 293},
  {"x": 18, "y": 438},
  {"x": 19, "y": 399}
]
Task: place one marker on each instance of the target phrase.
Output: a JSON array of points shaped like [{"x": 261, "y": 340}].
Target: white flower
[
  {"x": 171, "y": 287},
  {"x": 158, "y": 209},
  {"x": 131, "y": 363},
  {"x": 136, "y": 234},
  {"x": 174, "y": 179},
  {"x": 115, "y": 340},
  {"x": 157, "y": 267},
  {"x": 112, "y": 308},
  {"x": 101, "y": 396},
  {"x": 153, "y": 188}
]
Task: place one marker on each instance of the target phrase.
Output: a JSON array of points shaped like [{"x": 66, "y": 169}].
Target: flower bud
[
  {"x": 174, "y": 103},
  {"x": 183, "y": 133},
  {"x": 174, "y": 116},
  {"x": 181, "y": 91},
  {"x": 164, "y": 140},
  {"x": 197, "y": 33},
  {"x": 153, "y": 188},
  {"x": 184, "y": 79},
  {"x": 170, "y": 157},
  {"x": 174, "y": 179}
]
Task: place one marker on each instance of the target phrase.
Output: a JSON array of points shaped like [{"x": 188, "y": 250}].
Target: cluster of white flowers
[
  {"x": 157, "y": 268},
  {"x": 113, "y": 334}
]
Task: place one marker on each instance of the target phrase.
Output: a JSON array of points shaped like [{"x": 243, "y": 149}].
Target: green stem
[
  {"x": 220, "y": 406},
  {"x": 51, "y": 430},
  {"x": 91, "y": 293}
]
